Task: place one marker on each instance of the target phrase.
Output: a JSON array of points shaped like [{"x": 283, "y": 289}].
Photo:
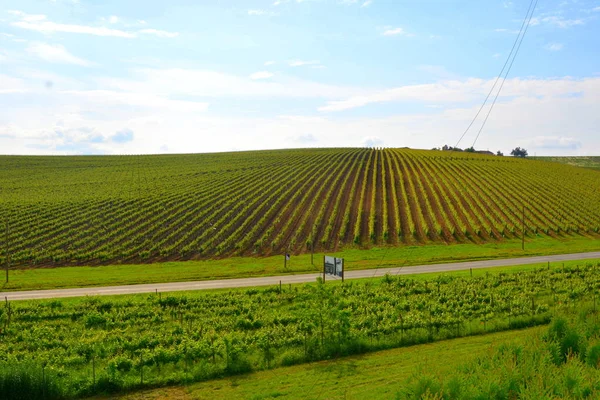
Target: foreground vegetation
[
  {"x": 557, "y": 361},
  {"x": 91, "y": 345},
  {"x": 128, "y": 209},
  {"x": 377, "y": 375},
  {"x": 562, "y": 363}
]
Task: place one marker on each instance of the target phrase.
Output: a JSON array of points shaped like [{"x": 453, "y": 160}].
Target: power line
[
  {"x": 507, "y": 72},
  {"x": 525, "y": 21}
]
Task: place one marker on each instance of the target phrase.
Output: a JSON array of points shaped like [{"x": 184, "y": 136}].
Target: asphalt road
[{"x": 286, "y": 279}]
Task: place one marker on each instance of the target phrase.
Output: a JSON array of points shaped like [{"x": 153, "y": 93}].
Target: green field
[
  {"x": 592, "y": 162},
  {"x": 240, "y": 267},
  {"x": 141, "y": 209},
  {"x": 91, "y": 345},
  {"x": 374, "y": 376},
  {"x": 560, "y": 361}
]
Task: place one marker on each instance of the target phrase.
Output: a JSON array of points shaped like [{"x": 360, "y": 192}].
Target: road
[{"x": 286, "y": 279}]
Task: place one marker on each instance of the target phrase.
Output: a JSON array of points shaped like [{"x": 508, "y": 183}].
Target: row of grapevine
[{"x": 86, "y": 210}]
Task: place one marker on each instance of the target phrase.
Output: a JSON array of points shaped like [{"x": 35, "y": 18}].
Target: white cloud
[
  {"x": 372, "y": 141},
  {"x": 103, "y": 98},
  {"x": 554, "y": 46},
  {"x": 512, "y": 31},
  {"x": 55, "y": 54},
  {"x": 305, "y": 139},
  {"x": 205, "y": 83},
  {"x": 517, "y": 122},
  {"x": 301, "y": 63},
  {"x": 262, "y": 13},
  {"x": 393, "y": 32},
  {"x": 561, "y": 22},
  {"x": 267, "y": 63},
  {"x": 557, "y": 20},
  {"x": 261, "y": 75},
  {"x": 367, "y": 3},
  {"x": 159, "y": 33},
  {"x": 51, "y": 27},
  {"x": 10, "y": 84},
  {"x": 470, "y": 90},
  {"x": 596, "y": 9},
  {"x": 27, "y": 17},
  {"x": 39, "y": 23},
  {"x": 555, "y": 142}
]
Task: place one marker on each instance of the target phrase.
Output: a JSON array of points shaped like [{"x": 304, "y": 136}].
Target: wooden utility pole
[
  {"x": 7, "y": 250},
  {"x": 323, "y": 269},
  {"x": 523, "y": 235},
  {"x": 312, "y": 252}
]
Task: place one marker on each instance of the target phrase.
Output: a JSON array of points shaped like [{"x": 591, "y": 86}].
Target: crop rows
[{"x": 87, "y": 210}]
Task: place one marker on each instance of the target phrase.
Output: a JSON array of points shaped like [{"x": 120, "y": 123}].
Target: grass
[
  {"x": 373, "y": 376},
  {"x": 592, "y": 162},
  {"x": 240, "y": 267}
]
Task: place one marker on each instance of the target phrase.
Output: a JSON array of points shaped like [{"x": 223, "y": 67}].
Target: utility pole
[
  {"x": 323, "y": 269},
  {"x": 7, "y": 250},
  {"x": 312, "y": 251},
  {"x": 523, "y": 235}
]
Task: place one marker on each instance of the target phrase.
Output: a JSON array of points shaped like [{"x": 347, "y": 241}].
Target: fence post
[{"x": 142, "y": 369}]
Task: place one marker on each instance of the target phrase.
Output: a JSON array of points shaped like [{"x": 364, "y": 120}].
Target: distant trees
[
  {"x": 519, "y": 152},
  {"x": 450, "y": 148}
]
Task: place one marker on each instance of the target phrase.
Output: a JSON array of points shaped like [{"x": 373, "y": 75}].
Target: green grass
[
  {"x": 592, "y": 162},
  {"x": 372, "y": 376},
  {"x": 239, "y": 267}
]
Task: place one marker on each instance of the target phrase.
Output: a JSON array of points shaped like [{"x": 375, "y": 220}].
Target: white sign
[{"x": 334, "y": 266}]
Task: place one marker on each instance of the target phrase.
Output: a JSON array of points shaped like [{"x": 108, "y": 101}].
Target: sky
[{"x": 194, "y": 76}]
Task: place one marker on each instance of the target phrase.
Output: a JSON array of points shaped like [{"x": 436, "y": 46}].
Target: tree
[
  {"x": 470, "y": 149},
  {"x": 499, "y": 153},
  {"x": 519, "y": 152}
]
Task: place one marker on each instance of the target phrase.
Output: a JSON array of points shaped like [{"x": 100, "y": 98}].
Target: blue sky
[{"x": 131, "y": 77}]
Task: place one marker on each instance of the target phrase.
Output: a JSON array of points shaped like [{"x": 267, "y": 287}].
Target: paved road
[{"x": 286, "y": 279}]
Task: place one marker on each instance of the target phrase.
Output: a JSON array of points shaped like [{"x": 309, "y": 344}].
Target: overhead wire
[
  {"x": 523, "y": 28},
  {"x": 507, "y": 72}
]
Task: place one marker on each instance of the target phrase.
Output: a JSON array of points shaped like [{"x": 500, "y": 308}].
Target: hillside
[
  {"x": 592, "y": 162},
  {"x": 106, "y": 209}
]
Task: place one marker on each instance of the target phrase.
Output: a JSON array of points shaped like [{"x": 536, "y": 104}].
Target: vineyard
[
  {"x": 91, "y": 345},
  {"x": 123, "y": 209}
]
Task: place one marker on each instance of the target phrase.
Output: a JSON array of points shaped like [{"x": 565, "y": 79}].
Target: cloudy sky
[{"x": 131, "y": 77}]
